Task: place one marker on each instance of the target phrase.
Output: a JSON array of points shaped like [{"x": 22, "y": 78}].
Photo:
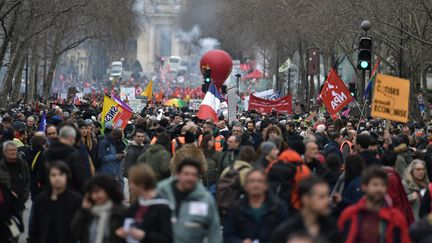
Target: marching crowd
[{"x": 265, "y": 178}]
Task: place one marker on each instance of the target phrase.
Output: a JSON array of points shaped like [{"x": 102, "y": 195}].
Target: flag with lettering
[
  {"x": 116, "y": 113},
  {"x": 335, "y": 95}
]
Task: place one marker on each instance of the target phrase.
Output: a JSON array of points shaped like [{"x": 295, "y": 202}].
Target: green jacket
[
  {"x": 198, "y": 217},
  {"x": 157, "y": 157}
]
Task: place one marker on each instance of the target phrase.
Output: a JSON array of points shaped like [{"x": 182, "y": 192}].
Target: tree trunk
[
  {"x": 7, "y": 84},
  {"x": 34, "y": 63},
  {"x": 15, "y": 96},
  {"x": 50, "y": 76},
  {"x": 7, "y": 38},
  {"x": 303, "y": 96}
]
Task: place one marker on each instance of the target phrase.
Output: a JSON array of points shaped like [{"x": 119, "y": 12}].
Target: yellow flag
[{"x": 148, "y": 92}]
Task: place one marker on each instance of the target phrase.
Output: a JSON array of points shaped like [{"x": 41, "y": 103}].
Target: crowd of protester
[{"x": 264, "y": 178}]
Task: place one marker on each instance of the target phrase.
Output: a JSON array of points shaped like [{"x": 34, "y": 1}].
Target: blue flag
[{"x": 42, "y": 123}]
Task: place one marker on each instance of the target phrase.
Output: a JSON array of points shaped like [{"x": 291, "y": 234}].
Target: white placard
[
  {"x": 127, "y": 92},
  {"x": 232, "y": 105},
  {"x": 137, "y": 105},
  {"x": 194, "y": 104}
]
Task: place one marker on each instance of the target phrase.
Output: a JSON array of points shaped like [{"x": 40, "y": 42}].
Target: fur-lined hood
[{"x": 189, "y": 151}]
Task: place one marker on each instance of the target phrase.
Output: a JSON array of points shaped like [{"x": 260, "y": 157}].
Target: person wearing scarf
[{"x": 102, "y": 212}]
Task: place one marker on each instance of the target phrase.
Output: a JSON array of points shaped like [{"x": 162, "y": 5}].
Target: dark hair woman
[
  {"x": 102, "y": 212},
  {"x": 349, "y": 191},
  {"x": 212, "y": 157}
]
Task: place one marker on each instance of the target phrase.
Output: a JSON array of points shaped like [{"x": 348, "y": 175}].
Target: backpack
[
  {"x": 229, "y": 188},
  {"x": 281, "y": 178}
]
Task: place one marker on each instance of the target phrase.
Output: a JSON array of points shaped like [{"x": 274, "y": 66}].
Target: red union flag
[
  {"x": 283, "y": 104},
  {"x": 335, "y": 94}
]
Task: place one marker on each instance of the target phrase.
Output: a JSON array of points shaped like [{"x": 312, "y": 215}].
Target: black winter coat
[
  {"x": 369, "y": 158},
  {"x": 240, "y": 224},
  {"x": 73, "y": 158},
  {"x": 83, "y": 218},
  {"x": 133, "y": 152},
  {"x": 328, "y": 230},
  {"x": 60, "y": 213},
  {"x": 421, "y": 232},
  {"x": 155, "y": 221}
]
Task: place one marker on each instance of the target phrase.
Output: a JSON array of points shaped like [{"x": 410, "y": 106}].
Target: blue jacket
[
  {"x": 332, "y": 148},
  {"x": 240, "y": 224},
  {"x": 352, "y": 193},
  {"x": 109, "y": 163}
]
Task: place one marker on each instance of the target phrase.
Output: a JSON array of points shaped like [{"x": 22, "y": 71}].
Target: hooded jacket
[
  {"x": 290, "y": 156},
  {"x": 242, "y": 172},
  {"x": 157, "y": 157},
  {"x": 198, "y": 217},
  {"x": 190, "y": 151},
  {"x": 398, "y": 195},
  {"x": 72, "y": 157},
  {"x": 393, "y": 223}
]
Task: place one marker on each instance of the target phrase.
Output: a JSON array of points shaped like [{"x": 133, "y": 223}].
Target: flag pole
[{"x": 361, "y": 112}]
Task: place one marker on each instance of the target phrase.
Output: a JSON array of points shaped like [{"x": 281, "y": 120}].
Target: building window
[{"x": 165, "y": 40}]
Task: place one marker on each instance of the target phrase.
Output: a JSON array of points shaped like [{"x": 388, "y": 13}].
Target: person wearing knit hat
[{"x": 269, "y": 154}]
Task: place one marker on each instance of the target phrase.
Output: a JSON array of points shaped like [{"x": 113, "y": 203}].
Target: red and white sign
[
  {"x": 283, "y": 104},
  {"x": 335, "y": 94}
]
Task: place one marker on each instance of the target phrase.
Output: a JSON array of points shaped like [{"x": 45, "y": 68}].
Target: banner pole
[{"x": 361, "y": 112}]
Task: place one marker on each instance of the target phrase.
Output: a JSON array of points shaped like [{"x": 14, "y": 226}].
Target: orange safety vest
[
  {"x": 219, "y": 143},
  {"x": 350, "y": 146},
  {"x": 174, "y": 143}
]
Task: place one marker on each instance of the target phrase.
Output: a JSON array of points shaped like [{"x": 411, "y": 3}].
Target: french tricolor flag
[{"x": 210, "y": 105}]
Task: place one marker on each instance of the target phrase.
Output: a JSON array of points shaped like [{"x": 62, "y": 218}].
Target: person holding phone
[
  {"x": 149, "y": 218},
  {"x": 102, "y": 212},
  {"x": 111, "y": 152}
]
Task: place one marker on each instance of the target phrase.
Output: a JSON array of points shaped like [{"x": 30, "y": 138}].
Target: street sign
[
  {"x": 313, "y": 64},
  {"x": 391, "y": 98}
]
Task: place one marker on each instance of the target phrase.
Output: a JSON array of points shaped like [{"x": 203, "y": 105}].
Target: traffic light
[
  {"x": 365, "y": 53},
  {"x": 353, "y": 90},
  {"x": 207, "y": 79}
]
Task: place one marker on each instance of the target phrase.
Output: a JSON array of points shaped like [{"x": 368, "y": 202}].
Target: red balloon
[{"x": 220, "y": 63}]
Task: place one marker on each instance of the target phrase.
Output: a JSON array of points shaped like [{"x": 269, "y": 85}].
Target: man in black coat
[
  {"x": 255, "y": 216},
  {"x": 15, "y": 174},
  {"x": 134, "y": 150},
  {"x": 62, "y": 149},
  {"x": 313, "y": 218},
  {"x": 333, "y": 147},
  {"x": 54, "y": 208}
]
